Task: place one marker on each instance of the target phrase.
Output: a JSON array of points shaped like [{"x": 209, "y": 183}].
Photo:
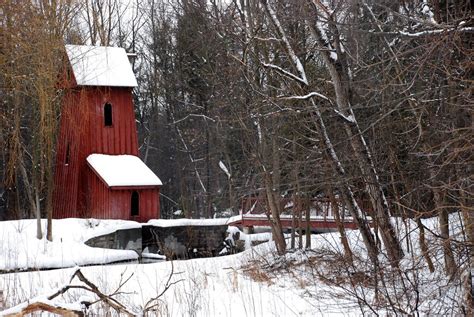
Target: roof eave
[
  {"x": 134, "y": 187},
  {"x": 121, "y": 187}
]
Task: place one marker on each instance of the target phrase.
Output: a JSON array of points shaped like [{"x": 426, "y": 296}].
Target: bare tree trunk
[
  {"x": 302, "y": 80},
  {"x": 393, "y": 247},
  {"x": 147, "y": 147},
  {"x": 424, "y": 246},
  {"x": 307, "y": 209},
  {"x": 13, "y": 151},
  {"x": 349, "y": 199},
  {"x": 340, "y": 225},
  {"x": 274, "y": 215},
  {"x": 33, "y": 199},
  {"x": 49, "y": 210},
  {"x": 378, "y": 199},
  {"x": 191, "y": 158},
  {"x": 300, "y": 222},
  {"x": 231, "y": 185},
  {"x": 341, "y": 81},
  {"x": 296, "y": 204},
  {"x": 449, "y": 263},
  {"x": 293, "y": 224},
  {"x": 443, "y": 218},
  {"x": 468, "y": 218},
  {"x": 208, "y": 197},
  {"x": 276, "y": 166},
  {"x": 39, "y": 232}
]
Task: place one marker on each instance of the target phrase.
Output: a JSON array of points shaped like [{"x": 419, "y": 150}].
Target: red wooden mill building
[{"x": 98, "y": 172}]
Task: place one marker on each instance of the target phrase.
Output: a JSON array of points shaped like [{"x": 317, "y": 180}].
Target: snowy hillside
[
  {"x": 256, "y": 282},
  {"x": 21, "y": 250}
]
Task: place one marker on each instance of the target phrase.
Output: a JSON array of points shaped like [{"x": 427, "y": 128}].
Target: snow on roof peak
[
  {"x": 122, "y": 170},
  {"x": 100, "y": 66}
]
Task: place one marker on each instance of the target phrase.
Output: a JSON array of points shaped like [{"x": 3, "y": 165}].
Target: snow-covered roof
[
  {"x": 122, "y": 170},
  {"x": 100, "y": 66}
]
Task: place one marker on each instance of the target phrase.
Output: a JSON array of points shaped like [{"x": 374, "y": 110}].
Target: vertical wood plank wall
[
  {"x": 78, "y": 192},
  {"x": 116, "y": 203}
]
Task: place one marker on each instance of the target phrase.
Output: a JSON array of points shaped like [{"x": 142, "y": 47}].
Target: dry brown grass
[{"x": 257, "y": 273}]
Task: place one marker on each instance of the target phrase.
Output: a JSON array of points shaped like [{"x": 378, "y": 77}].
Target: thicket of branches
[{"x": 367, "y": 101}]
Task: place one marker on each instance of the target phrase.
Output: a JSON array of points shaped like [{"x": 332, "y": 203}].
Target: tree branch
[{"x": 307, "y": 96}]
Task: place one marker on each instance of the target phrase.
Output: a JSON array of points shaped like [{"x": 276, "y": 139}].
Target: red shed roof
[{"x": 122, "y": 171}]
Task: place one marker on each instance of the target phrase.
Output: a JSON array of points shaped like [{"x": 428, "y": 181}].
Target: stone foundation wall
[
  {"x": 126, "y": 239},
  {"x": 182, "y": 242},
  {"x": 179, "y": 242}
]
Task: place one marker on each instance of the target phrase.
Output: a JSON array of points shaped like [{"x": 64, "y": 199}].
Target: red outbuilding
[{"x": 98, "y": 173}]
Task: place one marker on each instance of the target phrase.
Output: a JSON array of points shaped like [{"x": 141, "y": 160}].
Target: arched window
[
  {"x": 108, "y": 115},
  {"x": 135, "y": 204}
]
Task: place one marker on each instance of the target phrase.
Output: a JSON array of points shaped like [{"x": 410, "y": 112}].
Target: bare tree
[{"x": 32, "y": 63}]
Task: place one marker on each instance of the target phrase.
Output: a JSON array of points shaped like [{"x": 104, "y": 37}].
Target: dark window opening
[
  {"x": 135, "y": 204},
  {"x": 108, "y": 115},
  {"x": 68, "y": 155}
]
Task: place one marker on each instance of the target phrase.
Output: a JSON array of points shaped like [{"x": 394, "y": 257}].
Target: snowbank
[
  {"x": 232, "y": 285},
  {"x": 20, "y": 250}
]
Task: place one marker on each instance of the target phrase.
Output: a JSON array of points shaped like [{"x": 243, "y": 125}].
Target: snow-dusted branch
[
  {"x": 267, "y": 39},
  {"x": 41, "y": 304},
  {"x": 356, "y": 210},
  {"x": 178, "y": 131},
  {"x": 224, "y": 169},
  {"x": 194, "y": 115},
  {"x": 350, "y": 118},
  {"x": 305, "y": 97},
  {"x": 286, "y": 73},
  {"x": 291, "y": 53},
  {"x": 108, "y": 299},
  {"x": 428, "y": 32}
]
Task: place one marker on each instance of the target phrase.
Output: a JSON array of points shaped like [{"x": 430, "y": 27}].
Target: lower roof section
[{"x": 122, "y": 171}]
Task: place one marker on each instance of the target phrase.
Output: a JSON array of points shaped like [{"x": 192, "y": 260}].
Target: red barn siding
[
  {"x": 149, "y": 205},
  {"x": 78, "y": 191},
  {"x": 109, "y": 203},
  {"x": 66, "y": 181}
]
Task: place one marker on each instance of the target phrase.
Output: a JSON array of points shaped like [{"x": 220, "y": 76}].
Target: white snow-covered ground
[
  {"x": 20, "y": 250},
  {"x": 206, "y": 287},
  {"x": 223, "y": 286}
]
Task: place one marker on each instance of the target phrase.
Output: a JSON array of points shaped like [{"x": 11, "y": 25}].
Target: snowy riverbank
[{"x": 255, "y": 282}]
